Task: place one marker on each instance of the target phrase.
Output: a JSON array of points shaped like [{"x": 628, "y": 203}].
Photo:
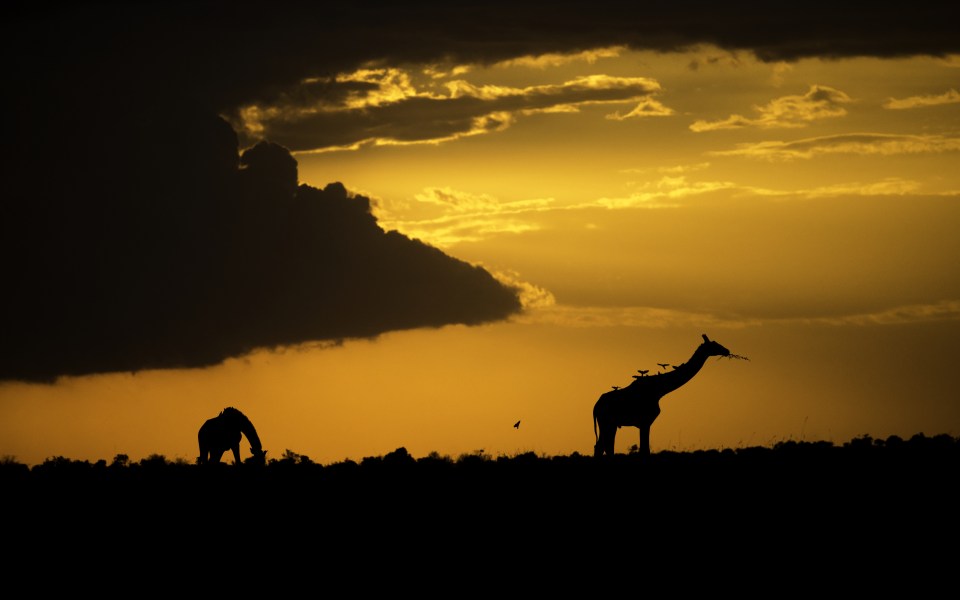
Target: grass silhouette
[
  {"x": 396, "y": 520},
  {"x": 898, "y": 465}
]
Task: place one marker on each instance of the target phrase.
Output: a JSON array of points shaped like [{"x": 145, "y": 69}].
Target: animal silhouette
[
  {"x": 223, "y": 432},
  {"x": 516, "y": 425},
  {"x": 638, "y": 404}
]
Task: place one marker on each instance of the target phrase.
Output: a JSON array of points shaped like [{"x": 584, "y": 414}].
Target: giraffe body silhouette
[
  {"x": 638, "y": 404},
  {"x": 223, "y": 432}
]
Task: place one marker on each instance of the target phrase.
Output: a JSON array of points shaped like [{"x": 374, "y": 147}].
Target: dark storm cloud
[
  {"x": 230, "y": 52},
  {"x": 214, "y": 263},
  {"x": 134, "y": 235}
]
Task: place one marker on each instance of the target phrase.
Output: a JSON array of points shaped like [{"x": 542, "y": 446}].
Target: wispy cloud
[
  {"x": 669, "y": 191},
  {"x": 647, "y": 107},
  {"x": 947, "y": 310},
  {"x": 820, "y": 102},
  {"x": 665, "y": 192},
  {"x": 457, "y": 216},
  {"x": 449, "y": 216},
  {"x": 629, "y": 316},
  {"x": 951, "y": 96},
  {"x": 384, "y": 86},
  {"x": 388, "y": 107},
  {"x": 658, "y": 318},
  {"x": 581, "y": 91},
  {"x": 893, "y": 186},
  {"x": 532, "y": 296},
  {"x": 852, "y": 143},
  {"x": 671, "y": 170},
  {"x": 543, "y": 61}
]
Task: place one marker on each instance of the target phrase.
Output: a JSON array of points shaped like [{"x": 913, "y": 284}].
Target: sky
[{"x": 413, "y": 227}]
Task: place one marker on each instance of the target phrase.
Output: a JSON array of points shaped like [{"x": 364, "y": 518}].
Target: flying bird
[
  {"x": 664, "y": 365},
  {"x": 516, "y": 425}
]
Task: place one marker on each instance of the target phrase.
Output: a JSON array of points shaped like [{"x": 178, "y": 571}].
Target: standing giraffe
[
  {"x": 638, "y": 404},
  {"x": 223, "y": 432}
]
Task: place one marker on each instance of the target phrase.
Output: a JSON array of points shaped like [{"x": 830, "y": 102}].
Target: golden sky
[{"x": 802, "y": 212}]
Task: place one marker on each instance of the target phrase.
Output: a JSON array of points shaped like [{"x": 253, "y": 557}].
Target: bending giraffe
[
  {"x": 638, "y": 404},
  {"x": 223, "y": 432}
]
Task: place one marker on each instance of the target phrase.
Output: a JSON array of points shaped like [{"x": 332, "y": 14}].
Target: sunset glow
[{"x": 800, "y": 208}]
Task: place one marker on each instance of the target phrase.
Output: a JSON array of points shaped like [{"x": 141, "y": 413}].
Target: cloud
[
  {"x": 227, "y": 255},
  {"x": 709, "y": 58},
  {"x": 532, "y": 297},
  {"x": 393, "y": 110},
  {"x": 658, "y": 318},
  {"x": 455, "y": 216},
  {"x": 672, "y": 170},
  {"x": 228, "y": 54},
  {"x": 951, "y": 96},
  {"x": 646, "y": 108},
  {"x": 947, "y": 310},
  {"x": 950, "y": 60},
  {"x": 557, "y": 59},
  {"x": 893, "y": 186},
  {"x": 854, "y": 143},
  {"x": 666, "y": 192},
  {"x": 630, "y": 316},
  {"x": 134, "y": 233},
  {"x": 819, "y": 102}
]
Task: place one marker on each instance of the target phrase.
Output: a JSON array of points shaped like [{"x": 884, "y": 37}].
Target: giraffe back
[{"x": 224, "y": 432}]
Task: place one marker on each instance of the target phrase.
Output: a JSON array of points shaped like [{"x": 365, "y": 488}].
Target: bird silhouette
[
  {"x": 643, "y": 371},
  {"x": 516, "y": 425},
  {"x": 664, "y": 365}
]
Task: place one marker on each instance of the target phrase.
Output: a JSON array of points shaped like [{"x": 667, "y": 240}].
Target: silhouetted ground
[{"x": 798, "y": 510}]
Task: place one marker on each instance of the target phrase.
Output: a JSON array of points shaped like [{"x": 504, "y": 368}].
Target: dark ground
[{"x": 868, "y": 514}]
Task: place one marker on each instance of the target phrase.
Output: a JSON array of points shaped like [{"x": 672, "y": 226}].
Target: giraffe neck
[
  {"x": 664, "y": 383},
  {"x": 248, "y": 430},
  {"x": 689, "y": 369}
]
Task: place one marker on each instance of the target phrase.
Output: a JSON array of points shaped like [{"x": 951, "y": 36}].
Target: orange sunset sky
[{"x": 501, "y": 214}]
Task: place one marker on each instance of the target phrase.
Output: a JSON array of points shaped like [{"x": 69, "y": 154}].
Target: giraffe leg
[
  {"x": 645, "y": 440},
  {"x": 605, "y": 443}
]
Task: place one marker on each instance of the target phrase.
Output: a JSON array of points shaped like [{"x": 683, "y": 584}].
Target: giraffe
[
  {"x": 223, "y": 432},
  {"x": 638, "y": 404}
]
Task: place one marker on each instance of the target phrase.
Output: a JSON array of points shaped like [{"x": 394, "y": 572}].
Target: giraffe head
[
  {"x": 258, "y": 456},
  {"x": 712, "y": 348}
]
